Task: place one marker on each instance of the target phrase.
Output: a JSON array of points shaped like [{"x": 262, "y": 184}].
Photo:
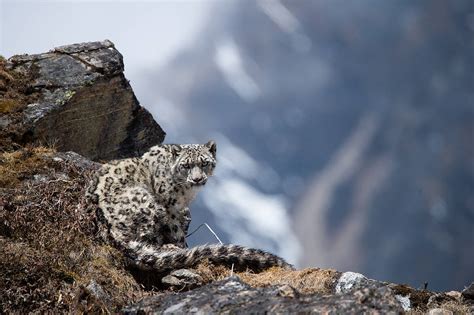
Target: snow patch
[
  {"x": 404, "y": 301},
  {"x": 348, "y": 280}
]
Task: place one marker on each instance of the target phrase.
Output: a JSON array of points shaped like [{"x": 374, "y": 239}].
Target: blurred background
[{"x": 345, "y": 129}]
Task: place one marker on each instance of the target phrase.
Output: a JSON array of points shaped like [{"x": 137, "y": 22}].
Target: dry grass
[
  {"x": 16, "y": 92},
  {"x": 456, "y": 307},
  {"x": 49, "y": 248},
  {"x": 210, "y": 272},
  {"x": 15, "y": 89},
  {"x": 5, "y": 77},
  {"x": 8, "y": 105},
  {"x": 23, "y": 164},
  {"x": 306, "y": 281}
]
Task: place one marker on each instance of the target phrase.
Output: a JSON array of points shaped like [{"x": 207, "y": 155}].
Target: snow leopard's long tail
[{"x": 241, "y": 257}]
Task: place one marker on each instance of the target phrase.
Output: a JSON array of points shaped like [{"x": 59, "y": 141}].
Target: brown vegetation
[
  {"x": 49, "y": 250},
  {"x": 15, "y": 89},
  {"x": 22, "y": 164},
  {"x": 306, "y": 281},
  {"x": 16, "y": 92}
]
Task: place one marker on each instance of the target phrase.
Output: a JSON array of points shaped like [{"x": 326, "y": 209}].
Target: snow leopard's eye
[
  {"x": 186, "y": 166},
  {"x": 205, "y": 163}
]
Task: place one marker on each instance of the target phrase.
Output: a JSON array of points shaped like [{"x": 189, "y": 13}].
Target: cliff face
[
  {"x": 82, "y": 102},
  {"x": 52, "y": 258}
]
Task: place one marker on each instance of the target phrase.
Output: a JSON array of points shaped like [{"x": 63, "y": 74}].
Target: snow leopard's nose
[{"x": 198, "y": 177}]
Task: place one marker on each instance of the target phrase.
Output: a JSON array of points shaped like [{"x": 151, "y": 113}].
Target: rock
[
  {"x": 84, "y": 103},
  {"x": 439, "y": 311},
  {"x": 404, "y": 301},
  {"x": 233, "y": 296},
  {"x": 468, "y": 293},
  {"x": 287, "y": 291},
  {"x": 4, "y": 122},
  {"x": 76, "y": 159},
  {"x": 182, "y": 279},
  {"x": 350, "y": 281},
  {"x": 97, "y": 291},
  {"x": 454, "y": 294}
]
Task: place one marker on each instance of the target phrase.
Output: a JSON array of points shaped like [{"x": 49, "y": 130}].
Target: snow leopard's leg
[
  {"x": 185, "y": 220},
  {"x": 134, "y": 218}
]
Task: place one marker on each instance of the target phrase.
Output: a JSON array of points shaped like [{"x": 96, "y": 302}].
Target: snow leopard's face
[{"x": 195, "y": 162}]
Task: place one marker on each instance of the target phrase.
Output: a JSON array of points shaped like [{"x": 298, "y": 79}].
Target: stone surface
[
  {"x": 85, "y": 103},
  {"x": 97, "y": 291},
  {"x": 439, "y": 311},
  {"x": 404, "y": 301},
  {"x": 182, "y": 278},
  {"x": 233, "y": 296},
  {"x": 350, "y": 281}
]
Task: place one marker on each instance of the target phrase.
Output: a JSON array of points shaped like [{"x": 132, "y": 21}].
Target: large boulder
[{"x": 82, "y": 102}]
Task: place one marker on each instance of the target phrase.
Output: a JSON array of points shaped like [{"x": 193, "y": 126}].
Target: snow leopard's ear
[
  {"x": 175, "y": 150},
  {"x": 211, "y": 145}
]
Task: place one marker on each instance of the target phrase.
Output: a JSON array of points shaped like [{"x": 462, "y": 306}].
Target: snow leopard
[{"x": 144, "y": 204}]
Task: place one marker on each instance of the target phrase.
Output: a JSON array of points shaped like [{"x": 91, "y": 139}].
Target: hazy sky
[{"x": 145, "y": 32}]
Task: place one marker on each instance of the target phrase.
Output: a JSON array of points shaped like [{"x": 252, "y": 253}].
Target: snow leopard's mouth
[{"x": 198, "y": 183}]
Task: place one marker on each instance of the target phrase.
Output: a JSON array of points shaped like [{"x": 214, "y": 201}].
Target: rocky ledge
[
  {"x": 52, "y": 258},
  {"x": 350, "y": 293},
  {"x": 76, "y": 98}
]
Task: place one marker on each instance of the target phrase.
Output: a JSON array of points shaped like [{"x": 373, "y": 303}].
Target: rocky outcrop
[
  {"x": 83, "y": 103},
  {"x": 306, "y": 291},
  {"x": 234, "y": 296}
]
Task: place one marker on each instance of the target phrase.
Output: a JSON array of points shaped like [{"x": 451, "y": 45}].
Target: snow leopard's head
[{"x": 194, "y": 162}]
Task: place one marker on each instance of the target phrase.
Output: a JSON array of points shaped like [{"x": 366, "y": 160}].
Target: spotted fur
[{"x": 144, "y": 204}]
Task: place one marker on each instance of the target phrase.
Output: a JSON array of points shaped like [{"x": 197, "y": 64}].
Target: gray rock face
[
  {"x": 86, "y": 105},
  {"x": 233, "y": 296}
]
